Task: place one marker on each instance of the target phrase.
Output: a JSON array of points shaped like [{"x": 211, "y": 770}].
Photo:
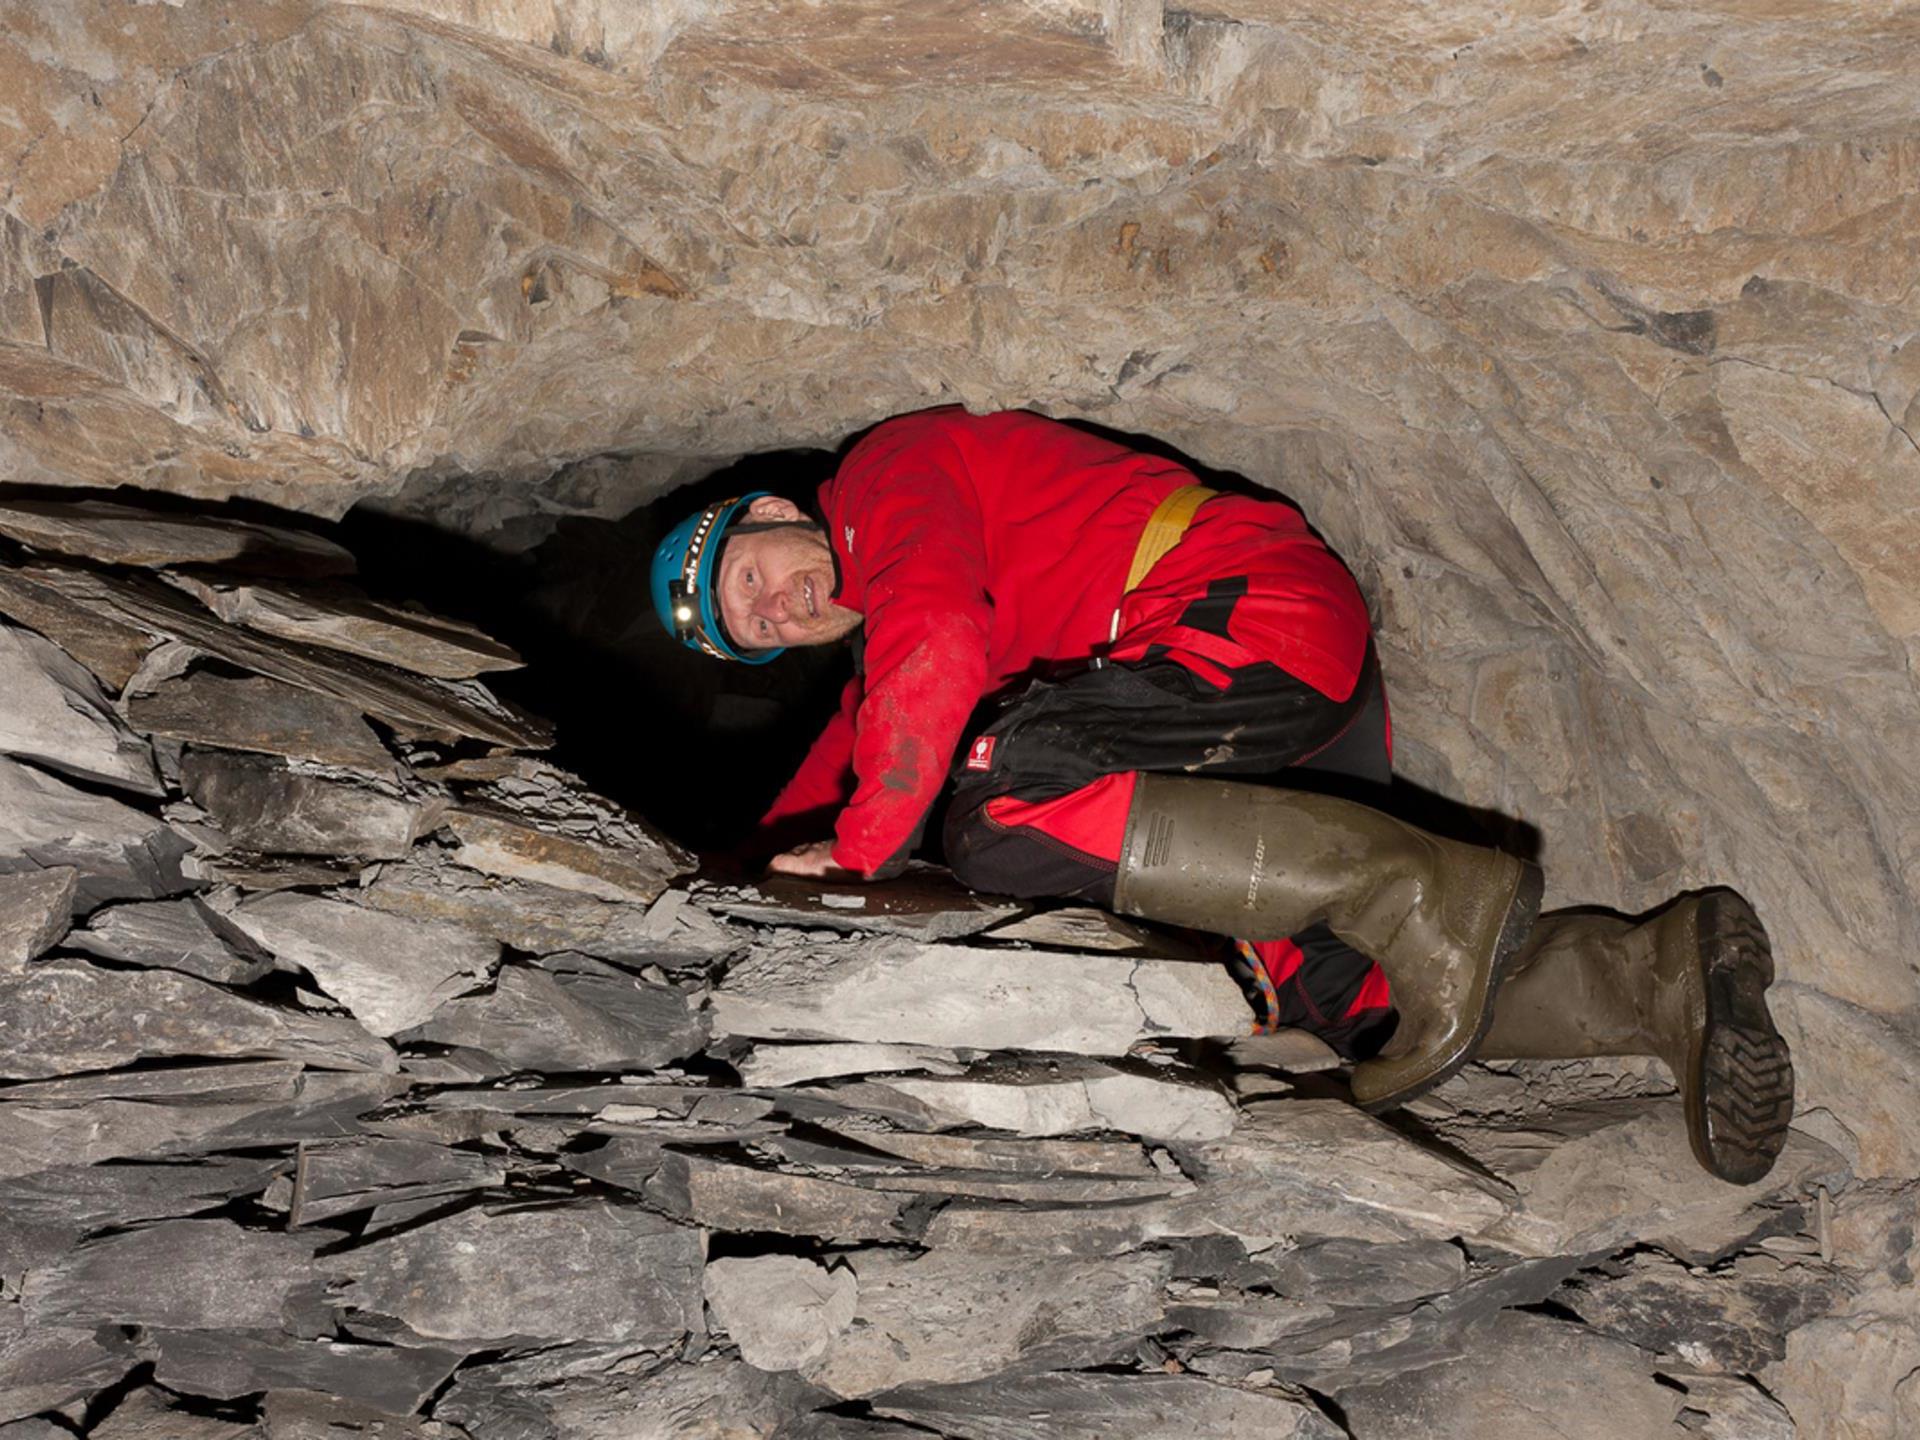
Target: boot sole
[
  {"x": 1740, "y": 1095},
  {"x": 1521, "y": 913}
]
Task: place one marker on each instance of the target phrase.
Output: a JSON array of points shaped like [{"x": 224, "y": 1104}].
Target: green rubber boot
[
  {"x": 1443, "y": 918},
  {"x": 1689, "y": 986}
]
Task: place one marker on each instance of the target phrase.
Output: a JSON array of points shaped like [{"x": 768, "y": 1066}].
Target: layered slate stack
[{"x": 365, "y": 1073}]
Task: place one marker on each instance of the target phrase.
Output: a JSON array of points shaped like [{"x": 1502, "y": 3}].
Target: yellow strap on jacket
[{"x": 1165, "y": 526}]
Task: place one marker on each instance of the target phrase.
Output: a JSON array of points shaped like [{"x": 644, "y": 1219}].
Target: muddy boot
[
  {"x": 1442, "y": 918},
  {"x": 1689, "y": 986}
]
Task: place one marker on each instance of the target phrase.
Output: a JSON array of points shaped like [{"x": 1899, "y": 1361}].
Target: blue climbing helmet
[{"x": 684, "y": 566}]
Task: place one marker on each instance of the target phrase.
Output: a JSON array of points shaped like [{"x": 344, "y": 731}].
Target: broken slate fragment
[
  {"x": 943, "y": 1318},
  {"x": 337, "y": 617},
  {"x": 36, "y": 907},
  {"x": 585, "y": 1271},
  {"x": 772, "y": 1066},
  {"x": 781, "y": 1310},
  {"x": 897, "y": 992},
  {"x": 722, "y": 1195},
  {"x": 1104, "y": 1407},
  {"x": 925, "y": 904},
  {"x": 391, "y": 973},
  {"x": 339, "y": 1177},
  {"x": 186, "y": 935},
  {"x": 1066, "y": 1099},
  {"x": 110, "y": 648},
  {"x": 413, "y": 702},
  {"x": 391, "y": 1379},
  {"x": 181, "y": 1275},
  {"x": 119, "y": 852},
  {"x": 153, "y": 1414},
  {"x": 261, "y": 804},
  {"x": 131, "y": 535},
  {"x": 571, "y": 1012},
  {"x": 265, "y": 716},
  {"x": 64, "y": 1016},
  {"x": 53, "y": 711},
  {"x": 494, "y": 845},
  {"x": 715, "y": 1400}
]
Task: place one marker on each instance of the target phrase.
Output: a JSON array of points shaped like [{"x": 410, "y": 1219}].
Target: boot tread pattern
[{"x": 1746, "y": 1090}]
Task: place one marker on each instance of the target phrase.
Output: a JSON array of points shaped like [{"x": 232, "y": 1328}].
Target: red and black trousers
[{"x": 1042, "y": 790}]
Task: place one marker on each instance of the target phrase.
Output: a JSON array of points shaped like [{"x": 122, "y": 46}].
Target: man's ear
[{"x": 775, "y": 507}]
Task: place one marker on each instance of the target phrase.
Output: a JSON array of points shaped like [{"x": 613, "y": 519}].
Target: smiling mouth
[{"x": 813, "y": 609}]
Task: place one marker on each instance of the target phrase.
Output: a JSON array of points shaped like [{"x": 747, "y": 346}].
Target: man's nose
[{"x": 774, "y": 605}]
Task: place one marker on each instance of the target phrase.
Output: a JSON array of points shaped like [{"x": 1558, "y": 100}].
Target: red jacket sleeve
[
  {"x": 806, "y": 805},
  {"x": 927, "y": 621}
]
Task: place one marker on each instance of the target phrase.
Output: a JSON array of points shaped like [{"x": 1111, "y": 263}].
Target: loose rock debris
[{"x": 362, "y": 1073}]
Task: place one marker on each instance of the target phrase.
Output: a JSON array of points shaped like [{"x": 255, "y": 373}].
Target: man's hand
[{"x": 815, "y": 861}]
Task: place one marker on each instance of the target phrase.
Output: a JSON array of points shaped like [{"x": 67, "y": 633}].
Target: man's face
[{"x": 771, "y": 587}]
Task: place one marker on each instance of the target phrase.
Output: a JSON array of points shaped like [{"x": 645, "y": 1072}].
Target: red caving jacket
[{"x": 982, "y": 549}]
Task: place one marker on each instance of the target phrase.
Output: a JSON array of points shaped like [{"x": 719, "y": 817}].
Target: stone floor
[{"x": 366, "y": 1075}]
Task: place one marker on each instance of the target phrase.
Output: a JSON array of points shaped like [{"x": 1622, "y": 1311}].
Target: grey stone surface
[
  {"x": 111, "y": 649},
  {"x": 36, "y": 907},
  {"x": 587, "y": 1271},
  {"x": 572, "y": 1013},
  {"x": 150, "y": 1413},
  {"x": 65, "y": 1015},
  {"x": 180, "y": 1275},
  {"x": 119, "y": 852},
  {"x": 256, "y": 714},
  {"x": 388, "y": 1379},
  {"x": 923, "y": 904},
  {"x": 339, "y": 618},
  {"x": 725, "y": 1196},
  {"x": 261, "y": 804},
  {"x": 899, "y": 992},
  {"x": 185, "y": 935},
  {"x": 391, "y": 973},
  {"x": 776, "y": 1065},
  {"x": 622, "y": 868},
  {"x": 125, "y": 534},
  {"x": 716, "y": 1398},
  {"x": 47, "y": 1367},
  {"x": 1063, "y": 1100},
  {"x": 1527, "y": 1375},
  {"x": 1096, "y": 1407},
  {"x": 53, "y": 712},
  {"x": 340, "y": 1177},
  {"x": 783, "y": 1311},
  {"x": 940, "y": 1319}
]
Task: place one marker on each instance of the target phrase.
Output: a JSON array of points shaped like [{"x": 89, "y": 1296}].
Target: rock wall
[{"x": 1581, "y": 330}]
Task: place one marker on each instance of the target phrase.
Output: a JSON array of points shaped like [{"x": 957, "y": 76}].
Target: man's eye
[
  {"x": 746, "y": 577},
  {"x": 763, "y": 629}
]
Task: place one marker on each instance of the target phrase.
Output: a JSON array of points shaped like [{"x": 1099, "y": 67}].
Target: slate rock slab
[
  {"x": 36, "y": 906},
  {"x": 783, "y": 1311},
  {"x": 181, "y": 1275},
  {"x": 722, "y": 1195},
  {"x": 534, "y": 918},
  {"x": 572, "y": 1013},
  {"x": 46, "y": 1367},
  {"x": 111, "y": 649},
  {"x": 405, "y": 700},
  {"x": 925, "y": 904},
  {"x": 53, "y": 711},
  {"x": 942, "y": 1318},
  {"x": 771, "y": 1066},
  {"x": 895, "y": 991},
  {"x": 1068, "y": 1099},
  {"x": 335, "y": 1178},
  {"x": 586, "y": 1271},
  {"x": 1625, "y": 1173},
  {"x": 621, "y": 873},
  {"x": 120, "y": 853},
  {"x": 1105, "y": 1407},
  {"x": 391, "y": 973},
  {"x": 261, "y": 804},
  {"x": 153, "y": 1414},
  {"x": 47, "y": 1213},
  {"x": 1523, "y": 1375},
  {"x": 186, "y": 935},
  {"x": 389, "y": 1379},
  {"x": 256, "y": 714},
  {"x": 65, "y": 1015},
  {"x": 718, "y": 1399},
  {"x": 122, "y": 534},
  {"x": 337, "y": 617}
]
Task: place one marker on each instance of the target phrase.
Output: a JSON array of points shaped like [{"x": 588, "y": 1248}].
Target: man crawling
[{"x": 1083, "y": 643}]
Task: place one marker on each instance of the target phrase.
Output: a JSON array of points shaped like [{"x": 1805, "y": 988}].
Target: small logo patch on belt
[{"x": 980, "y": 753}]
